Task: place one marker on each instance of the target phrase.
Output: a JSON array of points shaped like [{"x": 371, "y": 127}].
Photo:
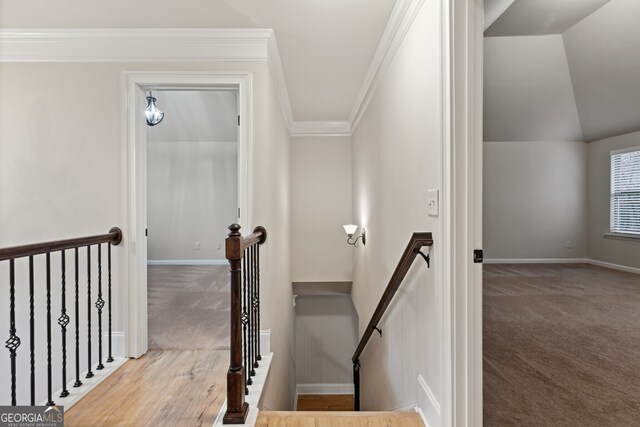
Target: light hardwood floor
[
  {"x": 162, "y": 388},
  {"x": 325, "y": 402},
  {"x": 342, "y": 419}
]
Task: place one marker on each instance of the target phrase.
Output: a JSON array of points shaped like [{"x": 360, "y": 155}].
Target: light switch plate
[{"x": 433, "y": 205}]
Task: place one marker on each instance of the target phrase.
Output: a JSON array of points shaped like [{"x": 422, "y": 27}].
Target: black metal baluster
[
  {"x": 255, "y": 302},
  {"x": 252, "y": 325},
  {"x": 100, "y": 306},
  {"x": 63, "y": 321},
  {"x": 259, "y": 357},
  {"x": 110, "y": 358},
  {"x": 32, "y": 337},
  {"x": 245, "y": 321},
  {"x": 50, "y": 402},
  {"x": 90, "y": 372},
  {"x": 78, "y": 383},
  {"x": 14, "y": 341}
]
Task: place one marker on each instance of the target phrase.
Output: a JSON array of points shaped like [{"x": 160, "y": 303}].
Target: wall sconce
[
  {"x": 151, "y": 113},
  {"x": 351, "y": 229}
]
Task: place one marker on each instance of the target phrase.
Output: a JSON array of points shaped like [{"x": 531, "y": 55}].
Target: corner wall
[{"x": 397, "y": 149}]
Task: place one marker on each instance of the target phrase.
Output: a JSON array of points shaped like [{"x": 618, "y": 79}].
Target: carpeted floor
[
  {"x": 188, "y": 307},
  {"x": 561, "y": 346}
]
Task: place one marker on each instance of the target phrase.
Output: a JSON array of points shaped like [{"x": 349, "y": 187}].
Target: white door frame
[
  {"x": 462, "y": 184},
  {"x": 135, "y": 84}
]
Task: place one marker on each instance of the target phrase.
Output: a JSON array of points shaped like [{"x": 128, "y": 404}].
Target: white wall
[
  {"x": 396, "y": 160},
  {"x": 326, "y": 337},
  {"x": 621, "y": 252},
  {"x": 535, "y": 200},
  {"x": 320, "y": 205},
  {"x": 63, "y": 173},
  {"x": 528, "y": 94}
]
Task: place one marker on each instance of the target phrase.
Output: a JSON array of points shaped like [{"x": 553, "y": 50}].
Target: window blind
[{"x": 625, "y": 191}]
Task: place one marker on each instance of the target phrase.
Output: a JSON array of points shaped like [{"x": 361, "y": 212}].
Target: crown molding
[
  {"x": 402, "y": 16},
  {"x": 133, "y": 45},
  {"x": 279, "y": 81},
  {"x": 320, "y": 129}
]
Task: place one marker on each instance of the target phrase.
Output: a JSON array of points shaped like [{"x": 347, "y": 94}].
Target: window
[{"x": 625, "y": 191}]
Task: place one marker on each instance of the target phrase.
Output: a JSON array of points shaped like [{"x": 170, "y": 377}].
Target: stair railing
[
  {"x": 13, "y": 344},
  {"x": 243, "y": 254},
  {"x": 413, "y": 249}
]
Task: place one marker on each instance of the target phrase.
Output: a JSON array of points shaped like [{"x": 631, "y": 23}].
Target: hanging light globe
[{"x": 152, "y": 113}]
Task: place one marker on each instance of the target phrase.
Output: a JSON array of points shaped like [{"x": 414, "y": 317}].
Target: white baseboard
[
  {"x": 117, "y": 342},
  {"x": 412, "y": 406},
  {"x": 428, "y": 406},
  {"x": 537, "y": 261},
  {"x": 563, "y": 261},
  {"x": 321, "y": 389},
  {"x": 614, "y": 266},
  {"x": 187, "y": 262}
]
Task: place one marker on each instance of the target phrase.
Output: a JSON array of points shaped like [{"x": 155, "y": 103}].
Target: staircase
[{"x": 343, "y": 419}]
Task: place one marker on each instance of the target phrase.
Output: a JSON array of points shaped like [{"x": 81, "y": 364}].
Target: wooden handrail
[
  {"x": 114, "y": 237},
  {"x": 417, "y": 241},
  {"x": 245, "y": 305}
]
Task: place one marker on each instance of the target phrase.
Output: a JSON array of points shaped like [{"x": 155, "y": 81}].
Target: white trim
[
  {"x": 422, "y": 384},
  {"x": 255, "y": 394},
  {"x": 402, "y": 16},
  {"x": 622, "y": 236},
  {"x": 133, "y": 45},
  {"x": 614, "y": 266},
  {"x": 279, "y": 81},
  {"x": 411, "y": 406},
  {"x": 422, "y": 417},
  {"x": 88, "y": 384},
  {"x": 187, "y": 262},
  {"x": 564, "y": 261},
  {"x": 134, "y": 84},
  {"x": 537, "y": 261},
  {"x": 624, "y": 150},
  {"x": 320, "y": 128},
  {"x": 321, "y": 389}
]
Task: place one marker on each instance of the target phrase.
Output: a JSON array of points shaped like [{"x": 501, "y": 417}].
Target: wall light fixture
[
  {"x": 351, "y": 229},
  {"x": 152, "y": 114}
]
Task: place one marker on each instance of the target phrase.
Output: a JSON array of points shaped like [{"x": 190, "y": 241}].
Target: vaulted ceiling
[
  {"x": 326, "y": 46},
  {"x": 562, "y": 70}
]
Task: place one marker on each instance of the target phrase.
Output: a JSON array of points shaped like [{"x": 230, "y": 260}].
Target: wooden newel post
[{"x": 237, "y": 408}]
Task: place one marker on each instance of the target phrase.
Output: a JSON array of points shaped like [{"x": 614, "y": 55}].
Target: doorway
[
  {"x": 192, "y": 197},
  {"x": 142, "y": 198}
]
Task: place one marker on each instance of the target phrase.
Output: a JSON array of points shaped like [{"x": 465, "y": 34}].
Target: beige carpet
[
  {"x": 188, "y": 307},
  {"x": 561, "y": 346}
]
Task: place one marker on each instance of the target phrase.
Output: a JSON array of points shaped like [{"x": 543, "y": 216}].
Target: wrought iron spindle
[
  {"x": 110, "y": 358},
  {"x": 259, "y": 357},
  {"x": 32, "y": 337},
  {"x": 78, "y": 383},
  {"x": 14, "y": 341},
  {"x": 63, "y": 321},
  {"x": 245, "y": 321},
  {"x": 50, "y": 401},
  {"x": 89, "y": 371},
  {"x": 251, "y": 312},
  {"x": 100, "y": 306},
  {"x": 254, "y": 306}
]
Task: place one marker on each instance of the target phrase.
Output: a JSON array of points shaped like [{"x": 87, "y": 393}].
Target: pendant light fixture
[{"x": 153, "y": 115}]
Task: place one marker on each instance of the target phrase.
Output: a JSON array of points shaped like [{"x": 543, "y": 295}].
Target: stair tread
[{"x": 341, "y": 418}]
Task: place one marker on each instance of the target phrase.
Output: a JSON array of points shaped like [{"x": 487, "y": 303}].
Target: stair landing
[
  {"x": 325, "y": 402},
  {"x": 342, "y": 419}
]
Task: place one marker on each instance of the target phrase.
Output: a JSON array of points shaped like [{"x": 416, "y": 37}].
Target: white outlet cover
[{"x": 433, "y": 204}]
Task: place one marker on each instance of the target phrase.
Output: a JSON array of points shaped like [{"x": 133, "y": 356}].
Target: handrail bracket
[{"x": 426, "y": 257}]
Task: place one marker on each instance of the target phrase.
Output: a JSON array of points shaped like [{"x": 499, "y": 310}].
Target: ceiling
[
  {"x": 538, "y": 17},
  {"x": 580, "y": 85},
  {"x": 326, "y": 46}
]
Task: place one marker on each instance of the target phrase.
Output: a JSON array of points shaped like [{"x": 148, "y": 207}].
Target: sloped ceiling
[
  {"x": 325, "y": 46},
  {"x": 533, "y": 88}
]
